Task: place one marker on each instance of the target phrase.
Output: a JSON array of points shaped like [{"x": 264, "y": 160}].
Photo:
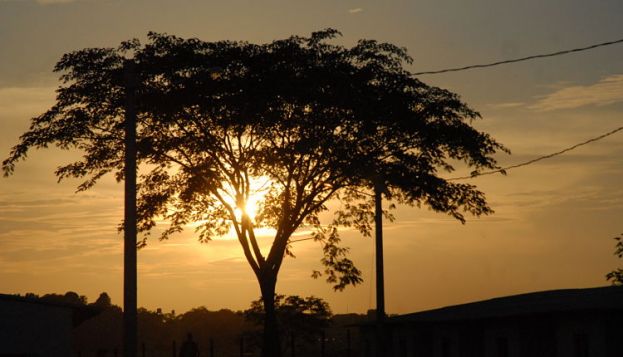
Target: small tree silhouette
[
  {"x": 309, "y": 120},
  {"x": 304, "y": 317},
  {"x": 103, "y": 301},
  {"x": 307, "y": 316},
  {"x": 616, "y": 276}
]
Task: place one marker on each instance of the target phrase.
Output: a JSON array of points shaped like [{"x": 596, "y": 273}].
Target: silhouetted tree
[
  {"x": 306, "y": 318},
  {"x": 69, "y": 297},
  {"x": 103, "y": 301},
  {"x": 616, "y": 276},
  {"x": 223, "y": 326},
  {"x": 299, "y": 120}
]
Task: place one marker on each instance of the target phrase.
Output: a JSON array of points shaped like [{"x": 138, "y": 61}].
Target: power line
[
  {"x": 300, "y": 240},
  {"x": 505, "y": 169},
  {"x": 457, "y": 69}
]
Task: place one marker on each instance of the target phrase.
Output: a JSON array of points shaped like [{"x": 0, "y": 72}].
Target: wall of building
[
  {"x": 577, "y": 334},
  {"x": 35, "y": 329}
]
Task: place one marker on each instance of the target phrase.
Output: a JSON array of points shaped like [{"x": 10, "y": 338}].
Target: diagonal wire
[
  {"x": 457, "y": 69},
  {"x": 526, "y": 163},
  {"x": 300, "y": 240}
]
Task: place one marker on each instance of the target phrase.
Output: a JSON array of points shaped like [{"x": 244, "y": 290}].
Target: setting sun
[
  {"x": 251, "y": 205},
  {"x": 250, "y": 208}
]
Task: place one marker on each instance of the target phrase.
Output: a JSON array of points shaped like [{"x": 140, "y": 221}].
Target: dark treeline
[{"x": 304, "y": 323}]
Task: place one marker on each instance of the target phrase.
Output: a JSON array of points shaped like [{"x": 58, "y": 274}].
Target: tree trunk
[{"x": 272, "y": 347}]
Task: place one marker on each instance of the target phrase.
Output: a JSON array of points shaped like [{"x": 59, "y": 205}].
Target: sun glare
[
  {"x": 252, "y": 205},
  {"x": 259, "y": 188}
]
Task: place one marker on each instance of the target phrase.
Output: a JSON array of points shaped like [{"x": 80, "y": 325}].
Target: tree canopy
[{"x": 298, "y": 121}]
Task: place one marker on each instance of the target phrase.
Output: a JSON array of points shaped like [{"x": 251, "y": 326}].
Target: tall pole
[
  {"x": 129, "y": 221},
  {"x": 380, "y": 281}
]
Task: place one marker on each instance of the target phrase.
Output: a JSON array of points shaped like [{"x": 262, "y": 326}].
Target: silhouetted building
[
  {"x": 31, "y": 327},
  {"x": 557, "y": 323}
]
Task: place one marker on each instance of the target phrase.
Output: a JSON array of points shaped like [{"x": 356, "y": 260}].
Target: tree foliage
[
  {"x": 304, "y": 316},
  {"x": 103, "y": 301},
  {"x": 616, "y": 276},
  {"x": 69, "y": 298},
  {"x": 302, "y": 320},
  {"x": 299, "y": 121}
]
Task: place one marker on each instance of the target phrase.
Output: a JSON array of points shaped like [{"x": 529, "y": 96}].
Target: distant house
[
  {"x": 557, "y": 323},
  {"x": 31, "y": 327}
]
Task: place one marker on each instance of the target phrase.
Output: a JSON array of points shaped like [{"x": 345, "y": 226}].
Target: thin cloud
[
  {"x": 44, "y": 2},
  {"x": 20, "y": 102},
  {"x": 51, "y": 2},
  {"x": 355, "y": 10},
  {"x": 507, "y": 105},
  {"x": 609, "y": 90}
]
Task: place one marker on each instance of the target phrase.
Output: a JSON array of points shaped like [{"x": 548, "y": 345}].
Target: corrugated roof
[{"x": 552, "y": 301}]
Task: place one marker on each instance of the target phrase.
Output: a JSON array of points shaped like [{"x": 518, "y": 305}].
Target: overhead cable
[
  {"x": 457, "y": 69},
  {"x": 503, "y": 170}
]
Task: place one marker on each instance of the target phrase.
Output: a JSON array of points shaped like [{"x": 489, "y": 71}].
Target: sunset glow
[{"x": 554, "y": 219}]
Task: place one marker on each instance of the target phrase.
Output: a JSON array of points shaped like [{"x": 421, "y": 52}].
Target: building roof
[
  {"x": 80, "y": 313},
  {"x": 541, "y": 302}
]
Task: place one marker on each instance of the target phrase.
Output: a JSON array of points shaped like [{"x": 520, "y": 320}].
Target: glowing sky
[{"x": 554, "y": 220}]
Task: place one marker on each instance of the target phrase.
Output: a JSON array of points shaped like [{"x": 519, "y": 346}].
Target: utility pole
[
  {"x": 379, "y": 187},
  {"x": 129, "y": 221}
]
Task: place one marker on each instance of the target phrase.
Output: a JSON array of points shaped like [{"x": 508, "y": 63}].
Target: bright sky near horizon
[{"x": 554, "y": 220}]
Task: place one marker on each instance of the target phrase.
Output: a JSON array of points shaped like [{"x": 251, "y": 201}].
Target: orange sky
[{"x": 554, "y": 220}]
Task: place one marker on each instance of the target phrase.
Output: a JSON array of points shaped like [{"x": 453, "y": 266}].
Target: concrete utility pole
[
  {"x": 379, "y": 187},
  {"x": 129, "y": 221}
]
